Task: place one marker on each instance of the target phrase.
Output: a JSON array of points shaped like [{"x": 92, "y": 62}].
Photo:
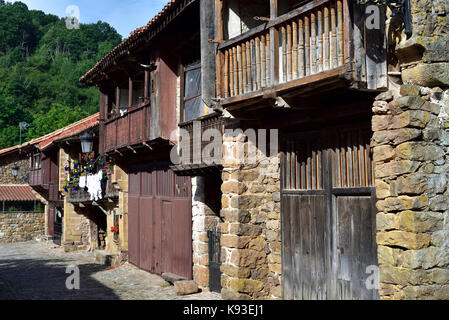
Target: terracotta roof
[
  {"x": 66, "y": 132},
  {"x": 17, "y": 193},
  {"x": 134, "y": 38}
]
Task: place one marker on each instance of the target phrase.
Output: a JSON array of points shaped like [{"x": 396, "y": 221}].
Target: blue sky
[{"x": 123, "y": 15}]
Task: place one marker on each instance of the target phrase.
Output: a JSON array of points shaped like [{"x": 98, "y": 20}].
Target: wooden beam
[
  {"x": 274, "y": 44},
  {"x": 208, "y": 51},
  {"x": 130, "y": 92}
]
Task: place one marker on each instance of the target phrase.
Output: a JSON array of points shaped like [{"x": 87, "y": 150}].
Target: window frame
[{"x": 183, "y": 71}]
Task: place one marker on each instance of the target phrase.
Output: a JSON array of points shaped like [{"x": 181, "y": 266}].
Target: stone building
[
  {"x": 347, "y": 196},
  {"x": 21, "y": 209}
]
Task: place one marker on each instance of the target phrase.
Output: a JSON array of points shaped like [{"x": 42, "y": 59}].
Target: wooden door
[
  {"x": 328, "y": 214},
  {"x": 160, "y": 221}
]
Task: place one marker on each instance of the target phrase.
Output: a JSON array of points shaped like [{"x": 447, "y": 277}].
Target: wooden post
[
  {"x": 268, "y": 63},
  {"x": 262, "y": 61},
  {"x": 248, "y": 65},
  {"x": 130, "y": 93},
  {"x": 301, "y": 48},
  {"x": 244, "y": 69},
  {"x": 320, "y": 41},
  {"x": 220, "y": 59},
  {"x": 295, "y": 50},
  {"x": 226, "y": 73},
  {"x": 289, "y": 52},
  {"x": 253, "y": 65},
  {"x": 240, "y": 68},
  {"x": 257, "y": 62},
  {"x": 334, "y": 38},
  {"x": 307, "y": 41},
  {"x": 231, "y": 72},
  {"x": 209, "y": 57},
  {"x": 284, "y": 54},
  {"x": 117, "y": 99},
  {"x": 326, "y": 44},
  {"x": 341, "y": 59},
  {"x": 146, "y": 85},
  {"x": 235, "y": 65},
  {"x": 313, "y": 42},
  {"x": 274, "y": 44}
]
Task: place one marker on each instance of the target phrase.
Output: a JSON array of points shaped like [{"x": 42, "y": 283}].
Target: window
[
  {"x": 36, "y": 162},
  {"x": 192, "y": 101},
  {"x": 111, "y": 107},
  {"x": 239, "y": 16},
  {"x": 124, "y": 96},
  {"x": 138, "y": 91}
]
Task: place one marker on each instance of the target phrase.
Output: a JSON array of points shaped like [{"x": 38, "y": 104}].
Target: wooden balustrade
[
  {"x": 130, "y": 129},
  {"x": 311, "y": 41},
  {"x": 247, "y": 65},
  {"x": 81, "y": 195},
  {"x": 196, "y": 145}
]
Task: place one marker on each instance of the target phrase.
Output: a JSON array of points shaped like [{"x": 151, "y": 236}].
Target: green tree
[{"x": 41, "y": 62}]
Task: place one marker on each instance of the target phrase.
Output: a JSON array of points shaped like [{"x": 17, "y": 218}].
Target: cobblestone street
[{"x": 37, "y": 271}]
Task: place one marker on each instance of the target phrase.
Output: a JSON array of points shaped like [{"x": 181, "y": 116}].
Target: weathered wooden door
[
  {"x": 328, "y": 214},
  {"x": 160, "y": 221}
]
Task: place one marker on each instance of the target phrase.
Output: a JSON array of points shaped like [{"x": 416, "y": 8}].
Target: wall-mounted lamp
[
  {"x": 87, "y": 142},
  {"x": 15, "y": 171}
]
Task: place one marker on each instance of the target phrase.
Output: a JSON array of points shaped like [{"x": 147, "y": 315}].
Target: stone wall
[
  {"x": 204, "y": 218},
  {"x": 424, "y": 57},
  {"x": 251, "y": 233},
  {"x": 21, "y": 226},
  {"x": 76, "y": 228},
  {"x": 6, "y": 165},
  {"x": 411, "y": 151}
]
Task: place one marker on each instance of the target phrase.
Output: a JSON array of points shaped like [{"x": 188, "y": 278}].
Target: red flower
[
  {"x": 117, "y": 223},
  {"x": 112, "y": 229},
  {"x": 116, "y": 230}
]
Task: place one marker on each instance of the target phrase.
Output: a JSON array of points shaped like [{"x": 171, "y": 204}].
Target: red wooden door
[{"x": 160, "y": 221}]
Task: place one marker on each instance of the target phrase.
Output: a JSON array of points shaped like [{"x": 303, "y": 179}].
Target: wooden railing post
[
  {"x": 220, "y": 62},
  {"x": 274, "y": 45}
]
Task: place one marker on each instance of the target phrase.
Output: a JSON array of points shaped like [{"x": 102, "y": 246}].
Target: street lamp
[
  {"x": 87, "y": 142},
  {"x": 15, "y": 171}
]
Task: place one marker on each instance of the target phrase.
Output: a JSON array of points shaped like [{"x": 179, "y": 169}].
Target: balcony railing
[
  {"x": 308, "y": 44},
  {"x": 82, "y": 196},
  {"x": 196, "y": 129},
  {"x": 36, "y": 178},
  {"x": 130, "y": 129}
]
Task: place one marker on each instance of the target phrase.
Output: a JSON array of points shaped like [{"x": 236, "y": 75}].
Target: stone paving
[{"x": 37, "y": 271}]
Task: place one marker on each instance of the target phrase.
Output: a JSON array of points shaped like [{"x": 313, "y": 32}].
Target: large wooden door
[
  {"x": 328, "y": 214},
  {"x": 160, "y": 221}
]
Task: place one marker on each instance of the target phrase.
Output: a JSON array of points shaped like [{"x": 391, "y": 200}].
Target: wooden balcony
[
  {"x": 130, "y": 129},
  {"x": 36, "y": 178},
  {"x": 195, "y": 164},
  {"x": 323, "y": 41},
  {"x": 82, "y": 196}
]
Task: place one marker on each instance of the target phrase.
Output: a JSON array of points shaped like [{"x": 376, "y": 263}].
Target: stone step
[
  {"x": 105, "y": 258},
  {"x": 172, "y": 278}
]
